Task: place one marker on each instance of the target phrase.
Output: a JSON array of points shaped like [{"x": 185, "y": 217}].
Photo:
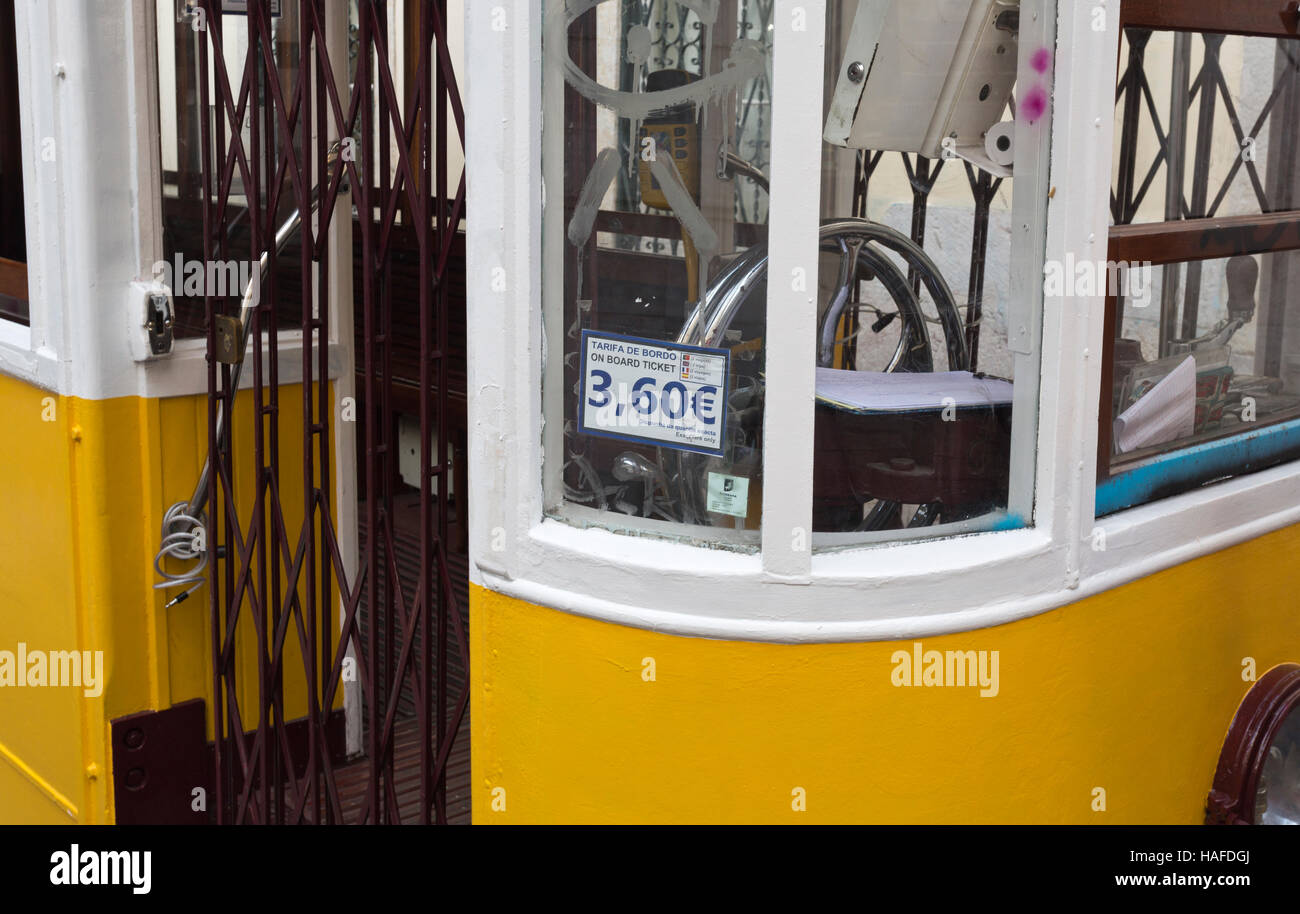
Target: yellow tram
[
  {"x": 982, "y": 513},
  {"x": 650, "y": 411}
]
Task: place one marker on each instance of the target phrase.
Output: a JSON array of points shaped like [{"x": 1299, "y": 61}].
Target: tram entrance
[{"x": 322, "y": 142}]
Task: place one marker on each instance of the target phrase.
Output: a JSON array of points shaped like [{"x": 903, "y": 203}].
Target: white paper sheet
[
  {"x": 902, "y": 392},
  {"x": 1166, "y": 412}
]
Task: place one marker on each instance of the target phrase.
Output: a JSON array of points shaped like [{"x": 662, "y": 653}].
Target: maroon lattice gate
[{"x": 296, "y": 142}]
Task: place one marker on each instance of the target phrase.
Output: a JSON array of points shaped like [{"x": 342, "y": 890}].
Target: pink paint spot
[
  {"x": 1034, "y": 104},
  {"x": 1042, "y": 60}
]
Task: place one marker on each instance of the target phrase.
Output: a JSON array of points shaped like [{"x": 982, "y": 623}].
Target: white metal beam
[{"x": 791, "y": 335}]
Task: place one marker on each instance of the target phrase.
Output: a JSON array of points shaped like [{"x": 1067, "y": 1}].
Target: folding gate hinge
[{"x": 230, "y": 340}]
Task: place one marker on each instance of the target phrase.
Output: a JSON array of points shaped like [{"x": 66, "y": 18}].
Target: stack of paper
[
  {"x": 902, "y": 392},
  {"x": 1166, "y": 412}
]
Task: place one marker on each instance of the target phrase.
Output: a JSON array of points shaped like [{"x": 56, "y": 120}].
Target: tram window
[
  {"x": 915, "y": 375},
  {"x": 657, "y": 260},
  {"x": 1202, "y": 375},
  {"x": 181, "y": 148},
  {"x": 662, "y": 412},
  {"x": 13, "y": 237},
  {"x": 180, "y": 129}
]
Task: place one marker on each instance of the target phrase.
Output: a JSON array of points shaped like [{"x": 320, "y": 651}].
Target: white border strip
[
  {"x": 799, "y": 39},
  {"x": 184, "y": 373}
]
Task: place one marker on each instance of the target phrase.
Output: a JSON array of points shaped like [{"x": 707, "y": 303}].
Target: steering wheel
[{"x": 859, "y": 243}]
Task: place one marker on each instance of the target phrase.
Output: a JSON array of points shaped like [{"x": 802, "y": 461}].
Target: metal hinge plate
[{"x": 229, "y": 346}]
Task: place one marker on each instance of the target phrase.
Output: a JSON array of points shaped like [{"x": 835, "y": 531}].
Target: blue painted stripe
[{"x": 1188, "y": 467}]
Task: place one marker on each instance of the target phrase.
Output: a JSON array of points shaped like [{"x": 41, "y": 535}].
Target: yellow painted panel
[
  {"x": 42, "y": 729},
  {"x": 1130, "y": 691},
  {"x": 28, "y": 802},
  {"x": 85, "y": 484},
  {"x": 184, "y": 420}
]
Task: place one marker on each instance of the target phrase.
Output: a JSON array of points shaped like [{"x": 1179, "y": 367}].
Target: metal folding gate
[{"x": 281, "y": 144}]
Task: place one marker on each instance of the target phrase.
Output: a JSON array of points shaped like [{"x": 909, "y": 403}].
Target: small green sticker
[{"x": 728, "y": 494}]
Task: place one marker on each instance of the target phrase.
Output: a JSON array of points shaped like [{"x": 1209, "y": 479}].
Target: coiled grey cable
[
  {"x": 179, "y": 529},
  {"x": 184, "y": 517}
]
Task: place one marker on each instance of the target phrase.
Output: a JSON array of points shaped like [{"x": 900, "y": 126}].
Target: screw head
[{"x": 857, "y": 71}]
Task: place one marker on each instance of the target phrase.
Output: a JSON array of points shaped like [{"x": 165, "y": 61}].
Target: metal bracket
[
  {"x": 230, "y": 342},
  {"x": 158, "y": 321},
  {"x": 159, "y": 759}
]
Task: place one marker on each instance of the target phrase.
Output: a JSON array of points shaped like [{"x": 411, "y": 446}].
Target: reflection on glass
[
  {"x": 1202, "y": 126},
  {"x": 1278, "y": 799},
  {"x": 1201, "y": 351},
  {"x": 1203, "y": 345},
  {"x": 666, "y": 137},
  {"x": 914, "y": 393},
  {"x": 181, "y": 131}
]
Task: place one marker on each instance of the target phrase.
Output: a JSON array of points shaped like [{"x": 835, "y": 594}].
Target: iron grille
[{"x": 280, "y": 585}]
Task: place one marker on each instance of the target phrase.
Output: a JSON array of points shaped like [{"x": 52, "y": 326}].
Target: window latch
[{"x": 158, "y": 321}]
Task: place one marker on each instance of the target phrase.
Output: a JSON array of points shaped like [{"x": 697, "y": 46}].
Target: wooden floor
[{"x": 354, "y": 779}]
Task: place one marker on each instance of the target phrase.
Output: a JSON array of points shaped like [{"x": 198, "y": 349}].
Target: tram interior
[
  {"x": 915, "y": 371},
  {"x": 1203, "y": 327},
  {"x": 912, "y": 426}
]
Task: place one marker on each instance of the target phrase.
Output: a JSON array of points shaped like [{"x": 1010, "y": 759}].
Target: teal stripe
[{"x": 1178, "y": 471}]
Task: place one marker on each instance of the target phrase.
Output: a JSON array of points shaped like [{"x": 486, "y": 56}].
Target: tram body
[
  {"x": 1075, "y": 655},
  {"x": 864, "y": 416}
]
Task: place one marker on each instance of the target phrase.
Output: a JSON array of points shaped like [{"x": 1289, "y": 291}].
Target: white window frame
[
  {"x": 183, "y": 371},
  {"x": 84, "y": 271},
  {"x": 894, "y": 590},
  {"x": 31, "y": 353}
]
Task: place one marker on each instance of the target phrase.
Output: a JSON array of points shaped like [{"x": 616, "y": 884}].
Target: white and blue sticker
[{"x": 652, "y": 391}]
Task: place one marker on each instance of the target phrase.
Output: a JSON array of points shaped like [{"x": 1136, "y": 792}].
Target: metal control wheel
[{"x": 863, "y": 248}]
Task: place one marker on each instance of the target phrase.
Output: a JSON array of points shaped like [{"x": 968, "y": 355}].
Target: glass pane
[
  {"x": 13, "y": 239},
  {"x": 914, "y": 372},
  {"x": 1213, "y": 115},
  {"x": 1202, "y": 350},
  {"x": 13, "y": 224},
  {"x": 181, "y": 149},
  {"x": 14, "y": 309},
  {"x": 661, "y": 247},
  {"x": 1278, "y": 801}
]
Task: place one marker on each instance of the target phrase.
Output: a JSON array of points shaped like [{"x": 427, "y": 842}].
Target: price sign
[{"x": 661, "y": 393}]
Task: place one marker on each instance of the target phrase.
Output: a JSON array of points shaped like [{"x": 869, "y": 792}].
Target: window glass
[
  {"x": 1208, "y": 115},
  {"x": 1206, "y": 212},
  {"x": 181, "y": 29},
  {"x": 657, "y": 259},
  {"x": 915, "y": 376},
  {"x": 659, "y": 235},
  {"x": 1209, "y": 365},
  {"x": 1278, "y": 800},
  {"x": 13, "y": 233}
]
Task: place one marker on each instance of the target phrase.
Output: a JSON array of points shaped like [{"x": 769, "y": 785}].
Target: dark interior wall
[{"x": 13, "y": 239}]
